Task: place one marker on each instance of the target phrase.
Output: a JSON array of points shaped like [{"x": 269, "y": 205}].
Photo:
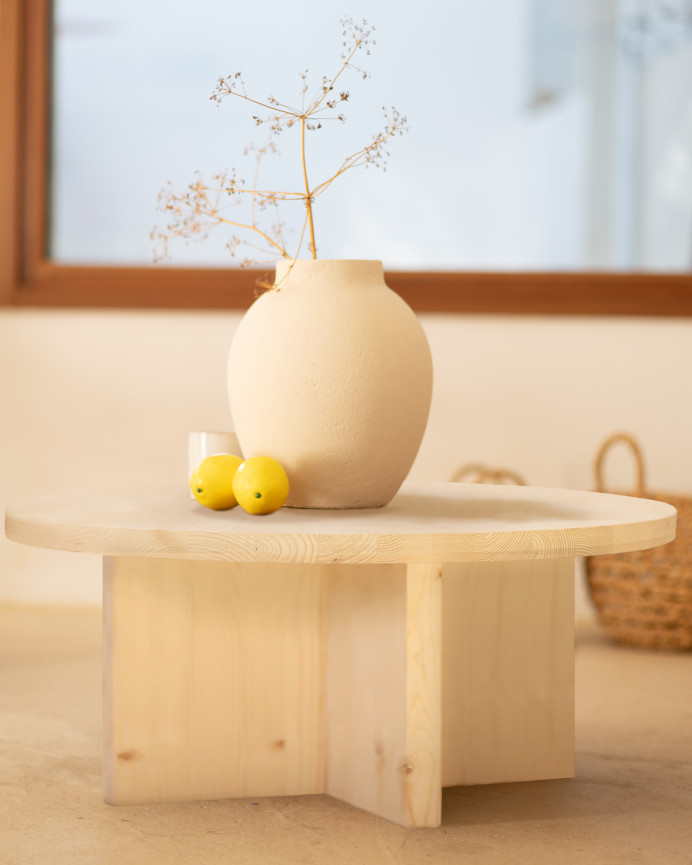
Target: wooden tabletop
[{"x": 441, "y": 522}]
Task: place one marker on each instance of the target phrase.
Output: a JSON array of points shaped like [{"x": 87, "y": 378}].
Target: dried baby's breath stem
[
  {"x": 193, "y": 213},
  {"x": 372, "y": 154},
  {"x": 328, "y": 85},
  {"x": 308, "y": 194}
]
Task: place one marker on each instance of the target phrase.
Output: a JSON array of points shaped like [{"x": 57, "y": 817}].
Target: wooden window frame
[{"x": 29, "y": 279}]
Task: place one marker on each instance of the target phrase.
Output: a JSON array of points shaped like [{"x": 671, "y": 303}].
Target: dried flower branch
[{"x": 200, "y": 207}]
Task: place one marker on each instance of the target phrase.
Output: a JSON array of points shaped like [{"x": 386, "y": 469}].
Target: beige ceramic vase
[{"x": 330, "y": 373}]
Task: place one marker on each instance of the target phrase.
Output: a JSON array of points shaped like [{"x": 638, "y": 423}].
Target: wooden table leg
[
  {"x": 384, "y": 690},
  {"x": 214, "y": 680},
  {"x": 225, "y": 680},
  {"x": 378, "y": 684},
  {"x": 508, "y": 671}
]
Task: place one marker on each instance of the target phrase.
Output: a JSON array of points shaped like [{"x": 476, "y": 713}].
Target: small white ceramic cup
[{"x": 203, "y": 444}]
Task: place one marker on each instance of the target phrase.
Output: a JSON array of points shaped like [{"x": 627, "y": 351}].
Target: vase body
[{"x": 330, "y": 373}]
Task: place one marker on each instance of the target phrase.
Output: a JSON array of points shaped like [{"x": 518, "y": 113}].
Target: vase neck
[{"x": 356, "y": 270}]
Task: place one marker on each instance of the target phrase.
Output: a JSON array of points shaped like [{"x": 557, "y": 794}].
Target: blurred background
[{"x": 544, "y": 135}]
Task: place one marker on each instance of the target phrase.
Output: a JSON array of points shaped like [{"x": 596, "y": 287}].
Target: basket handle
[
  {"x": 636, "y": 451},
  {"x": 480, "y": 474}
]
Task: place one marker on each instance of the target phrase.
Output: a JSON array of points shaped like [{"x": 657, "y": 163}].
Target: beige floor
[{"x": 630, "y": 803}]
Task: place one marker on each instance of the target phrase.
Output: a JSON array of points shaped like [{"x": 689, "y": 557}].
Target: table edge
[{"x": 309, "y": 548}]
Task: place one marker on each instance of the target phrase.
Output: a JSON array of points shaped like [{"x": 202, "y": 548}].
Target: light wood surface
[
  {"x": 375, "y": 655},
  {"x": 384, "y": 690},
  {"x": 213, "y": 680},
  {"x": 366, "y": 687},
  {"x": 424, "y": 523},
  {"x": 423, "y": 768},
  {"x": 224, "y": 680},
  {"x": 378, "y": 684},
  {"x": 508, "y": 672}
]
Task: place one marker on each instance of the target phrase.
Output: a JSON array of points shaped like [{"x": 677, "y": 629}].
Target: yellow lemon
[
  {"x": 212, "y": 481},
  {"x": 260, "y": 485}
]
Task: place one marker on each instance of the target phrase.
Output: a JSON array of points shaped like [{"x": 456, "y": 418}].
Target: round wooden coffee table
[{"x": 377, "y": 656}]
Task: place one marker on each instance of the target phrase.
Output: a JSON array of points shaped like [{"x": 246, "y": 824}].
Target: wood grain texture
[
  {"x": 214, "y": 680},
  {"x": 424, "y": 523},
  {"x": 342, "y": 656},
  {"x": 424, "y": 694},
  {"x": 384, "y": 690},
  {"x": 508, "y": 672},
  {"x": 366, "y": 687}
]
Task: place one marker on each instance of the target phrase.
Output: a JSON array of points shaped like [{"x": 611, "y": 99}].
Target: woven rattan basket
[
  {"x": 475, "y": 473},
  {"x": 645, "y": 598}
]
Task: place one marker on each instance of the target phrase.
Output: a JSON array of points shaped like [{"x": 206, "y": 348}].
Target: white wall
[{"x": 99, "y": 399}]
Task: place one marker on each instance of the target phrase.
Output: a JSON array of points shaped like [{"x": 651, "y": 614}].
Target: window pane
[{"x": 543, "y": 134}]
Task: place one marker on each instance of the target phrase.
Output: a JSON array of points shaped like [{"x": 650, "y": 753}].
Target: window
[{"x": 40, "y": 266}]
